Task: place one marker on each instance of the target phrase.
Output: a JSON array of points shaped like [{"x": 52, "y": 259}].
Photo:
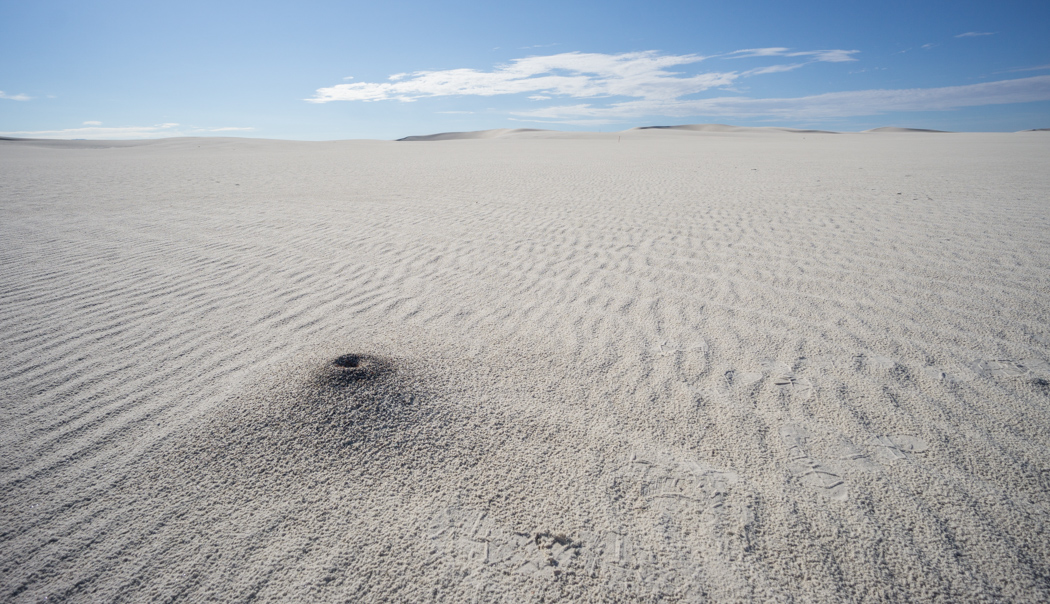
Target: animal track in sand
[
  {"x": 475, "y": 544},
  {"x": 474, "y": 540},
  {"x": 669, "y": 485},
  {"x": 786, "y": 380}
]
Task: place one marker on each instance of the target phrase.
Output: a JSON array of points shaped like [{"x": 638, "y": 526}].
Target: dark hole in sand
[
  {"x": 348, "y": 360},
  {"x": 357, "y": 367}
]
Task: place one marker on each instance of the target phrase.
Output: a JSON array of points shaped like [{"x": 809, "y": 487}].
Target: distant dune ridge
[
  {"x": 447, "y": 136},
  {"x": 695, "y": 363},
  {"x": 895, "y": 129},
  {"x": 711, "y": 128}
]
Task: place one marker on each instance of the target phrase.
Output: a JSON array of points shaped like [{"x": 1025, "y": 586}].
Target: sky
[{"x": 323, "y": 70}]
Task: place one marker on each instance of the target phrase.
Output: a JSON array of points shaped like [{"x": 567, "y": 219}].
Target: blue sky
[{"x": 337, "y": 70}]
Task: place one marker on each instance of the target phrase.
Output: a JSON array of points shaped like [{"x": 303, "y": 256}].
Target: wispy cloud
[
  {"x": 15, "y": 97},
  {"x": 95, "y": 131},
  {"x": 645, "y": 75},
  {"x": 830, "y": 56},
  {"x": 976, "y": 34},
  {"x": 830, "y": 105},
  {"x": 1017, "y": 69}
]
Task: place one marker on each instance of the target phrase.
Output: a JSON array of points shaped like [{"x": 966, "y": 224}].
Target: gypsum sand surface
[{"x": 685, "y": 366}]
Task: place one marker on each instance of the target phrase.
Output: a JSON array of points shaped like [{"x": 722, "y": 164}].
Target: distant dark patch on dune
[
  {"x": 728, "y": 128},
  {"x": 80, "y": 143},
  {"x": 476, "y": 134},
  {"x": 1037, "y": 130},
  {"x": 896, "y": 129}
]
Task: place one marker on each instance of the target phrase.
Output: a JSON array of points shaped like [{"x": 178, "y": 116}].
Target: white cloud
[
  {"x": 457, "y": 112},
  {"x": 97, "y": 132},
  {"x": 976, "y": 34},
  {"x": 14, "y": 97},
  {"x": 645, "y": 75},
  {"x": 830, "y": 105},
  {"x": 928, "y": 46},
  {"x": 655, "y": 85}
]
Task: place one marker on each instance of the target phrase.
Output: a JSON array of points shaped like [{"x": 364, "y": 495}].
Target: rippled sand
[{"x": 657, "y": 365}]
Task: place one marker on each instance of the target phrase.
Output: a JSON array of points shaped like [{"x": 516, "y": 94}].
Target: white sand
[{"x": 689, "y": 365}]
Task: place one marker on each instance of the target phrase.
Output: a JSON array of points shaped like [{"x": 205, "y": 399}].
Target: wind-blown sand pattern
[{"x": 705, "y": 364}]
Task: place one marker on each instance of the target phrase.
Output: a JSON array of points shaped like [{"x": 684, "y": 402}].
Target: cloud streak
[
  {"x": 14, "y": 97},
  {"x": 95, "y": 131},
  {"x": 646, "y": 75},
  {"x": 976, "y": 34},
  {"x": 829, "y": 105}
]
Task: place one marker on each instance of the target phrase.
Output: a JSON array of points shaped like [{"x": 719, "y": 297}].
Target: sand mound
[
  {"x": 477, "y": 134},
  {"x": 313, "y": 416},
  {"x": 896, "y": 129}
]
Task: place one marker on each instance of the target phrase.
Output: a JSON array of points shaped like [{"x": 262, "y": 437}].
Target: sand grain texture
[{"x": 691, "y": 365}]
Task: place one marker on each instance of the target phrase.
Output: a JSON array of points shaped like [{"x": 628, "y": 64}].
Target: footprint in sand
[
  {"x": 808, "y": 470},
  {"x": 1008, "y": 368},
  {"x": 668, "y": 348},
  {"x": 812, "y": 472},
  {"x": 878, "y": 362},
  {"x": 746, "y": 378},
  {"x": 936, "y": 373},
  {"x": 855, "y": 456},
  {"x": 608, "y": 554},
  {"x": 898, "y": 447}
]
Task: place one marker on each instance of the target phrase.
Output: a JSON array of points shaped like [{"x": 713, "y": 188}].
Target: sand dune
[{"x": 746, "y": 367}]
